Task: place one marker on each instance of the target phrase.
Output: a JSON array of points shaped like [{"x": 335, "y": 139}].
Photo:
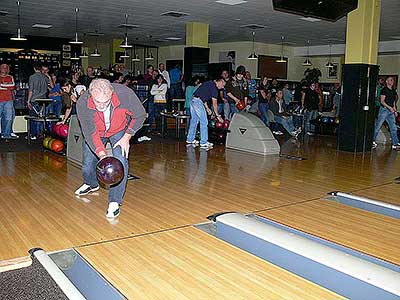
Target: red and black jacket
[{"x": 127, "y": 114}]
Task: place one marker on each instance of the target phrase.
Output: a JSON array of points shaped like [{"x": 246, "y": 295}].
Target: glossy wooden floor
[
  {"x": 371, "y": 233},
  {"x": 179, "y": 187},
  {"x": 187, "y": 263}
]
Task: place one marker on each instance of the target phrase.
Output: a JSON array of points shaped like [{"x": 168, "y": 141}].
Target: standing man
[
  {"x": 7, "y": 87},
  {"x": 38, "y": 89},
  {"x": 164, "y": 73},
  {"x": 237, "y": 89},
  {"x": 224, "y": 96},
  {"x": 175, "y": 76},
  {"x": 388, "y": 113},
  {"x": 87, "y": 79},
  {"x": 199, "y": 110},
  {"x": 310, "y": 101},
  {"x": 107, "y": 113}
]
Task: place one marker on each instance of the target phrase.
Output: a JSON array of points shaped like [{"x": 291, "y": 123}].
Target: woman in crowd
[{"x": 159, "y": 91}]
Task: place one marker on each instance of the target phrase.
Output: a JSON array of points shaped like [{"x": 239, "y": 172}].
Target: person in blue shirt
[
  {"x": 175, "y": 76},
  {"x": 194, "y": 83},
  {"x": 199, "y": 110},
  {"x": 55, "y": 95}
]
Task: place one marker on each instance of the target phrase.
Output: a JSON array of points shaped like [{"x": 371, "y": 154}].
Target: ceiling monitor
[{"x": 329, "y": 10}]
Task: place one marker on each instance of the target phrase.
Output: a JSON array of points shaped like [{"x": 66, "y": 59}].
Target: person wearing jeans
[
  {"x": 277, "y": 106},
  {"x": 310, "y": 101},
  {"x": 38, "y": 88},
  {"x": 264, "y": 97},
  {"x": 7, "y": 87},
  {"x": 107, "y": 112},
  {"x": 90, "y": 161},
  {"x": 388, "y": 113},
  {"x": 199, "y": 110}
]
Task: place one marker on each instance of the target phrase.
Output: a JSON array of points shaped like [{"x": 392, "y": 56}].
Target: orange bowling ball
[{"x": 57, "y": 146}]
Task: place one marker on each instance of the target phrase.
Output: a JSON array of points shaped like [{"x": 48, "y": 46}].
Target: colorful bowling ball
[
  {"x": 56, "y": 128},
  {"x": 240, "y": 105},
  {"x": 337, "y": 120},
  {"x": 57, "y": 146},
  {"x": 398, "y": 118},
  {"x": 109, "y": 171},
  {"x": 221, "y": 136},
  {"x": 50, "y": 143},
  {"x": 219, "y": 124},
  {"x": 226, "y": 124},
  {"x": 212, "y": 123},
  {"x": 63, "y": 130},
  {"x": 46, "y": 142}
]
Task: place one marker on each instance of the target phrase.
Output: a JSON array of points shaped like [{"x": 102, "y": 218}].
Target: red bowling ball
[
  {"x": 240, "y": 105},
  {"x": 226, "y": 124},
  {"x": 63, "y": 130},
  {"x": 219, "y": 124},
  {"x": 109, "y": 171}
]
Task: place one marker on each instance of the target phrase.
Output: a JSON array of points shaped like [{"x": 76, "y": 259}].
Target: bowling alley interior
[{"x": 215, "y": 149}]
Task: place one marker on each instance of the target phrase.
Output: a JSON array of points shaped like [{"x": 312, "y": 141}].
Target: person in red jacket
[
  {"x": 7, "y": 87},
  {"x": 107, "y": 112}
]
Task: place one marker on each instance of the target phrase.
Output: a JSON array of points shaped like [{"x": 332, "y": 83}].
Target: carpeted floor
[{"x": 29, "y": 283}]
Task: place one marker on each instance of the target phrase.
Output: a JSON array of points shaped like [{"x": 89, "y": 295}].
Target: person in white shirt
[
  {"x": 159, "y": 91},
  {"x": 164, "y": 73}
]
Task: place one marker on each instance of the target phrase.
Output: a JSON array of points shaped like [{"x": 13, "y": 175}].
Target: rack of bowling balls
[
  {"x": 217, "y": 130},
  {"x": 327, "y": 124},
  {"x": 56, "y": 139}
]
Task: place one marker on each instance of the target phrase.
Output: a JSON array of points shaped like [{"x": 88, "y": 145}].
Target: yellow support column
[
  {"x": 115, "y": 48},
  {"x": 360, "y": 74},
  {"x": 197, "y": 34},
  {"x": 362, "y": 36}
]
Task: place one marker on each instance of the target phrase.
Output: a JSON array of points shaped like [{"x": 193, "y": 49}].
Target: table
[
  {"x": 179, "y": 102},
  {"x": 178, "y": 121},
  {"x": 38, "y": 119}
]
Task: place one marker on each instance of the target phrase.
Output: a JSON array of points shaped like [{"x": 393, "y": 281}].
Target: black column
[
  {"x": 196, "y": 62},
  {"x": 357, "y": 110}
]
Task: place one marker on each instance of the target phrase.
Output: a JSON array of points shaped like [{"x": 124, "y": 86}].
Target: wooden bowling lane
[
  {"x": 389, "y": 193},
  {"x": 368, "y": 232},
  {"x": 187, "y": 263},
  {"x": 178, "y": 186}
]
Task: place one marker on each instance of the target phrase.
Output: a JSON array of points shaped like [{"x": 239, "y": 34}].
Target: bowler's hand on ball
[{"x": 124, "y": 144}]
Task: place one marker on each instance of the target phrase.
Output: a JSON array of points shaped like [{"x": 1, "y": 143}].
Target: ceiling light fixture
[
  {"x": 329, "y": 64},
  {"x": 75, "y": 57},
  {"x": 307, "y": 62},
  {"x": 136, "y": 57},
  {"x": 96, "y": 52},
  {"x": 76, "y": 41},
  {"x": 149, "y": 55},
  {"x": 125, "y": 43},
  {"x": 84, "y": 54},
  {"x": 253, "y": 54},
  {"x": 281, "y": 59},
  {"x": 19, "y": 36},
  {"x": 125, "y": 55}
]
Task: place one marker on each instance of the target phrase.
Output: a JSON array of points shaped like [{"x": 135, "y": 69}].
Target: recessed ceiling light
[
  {"x": 43, "y": 26},
  {"x": 253, "y": 26},
  {"x": 176, "y": 14},
  {"x": 3, "y": 13},
  {"x": 125, "y": 25},
  {"x": 95, "y": 33},
  {"x": 231, "y": 2},
  {"x": 173, "y": 38},
  {"x": 310, "y": 19}
]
